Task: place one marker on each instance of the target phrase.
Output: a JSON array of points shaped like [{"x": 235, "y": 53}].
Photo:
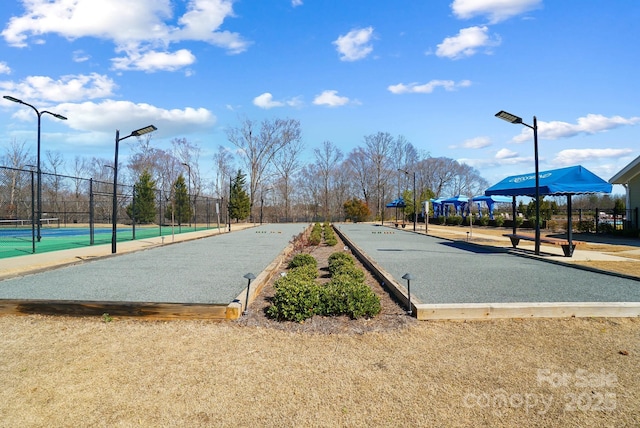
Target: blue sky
[{"x": 435, "y": 72}]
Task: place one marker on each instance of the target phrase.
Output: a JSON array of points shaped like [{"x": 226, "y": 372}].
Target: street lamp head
[
  {"x": 511, "y": 118},
  {"x": 142, "y": 131},
  {"x": 58, "y": 116},
  {"x": 407, "y": 276},
  {"x": 249, "y": 276},
  {"x": 10, "y": 98}
]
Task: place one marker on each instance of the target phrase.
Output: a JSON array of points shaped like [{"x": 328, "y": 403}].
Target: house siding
[{"x": 634, "y": 198}]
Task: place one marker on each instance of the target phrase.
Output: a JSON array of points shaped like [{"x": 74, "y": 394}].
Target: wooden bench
[{"x": 566, "y": 248}]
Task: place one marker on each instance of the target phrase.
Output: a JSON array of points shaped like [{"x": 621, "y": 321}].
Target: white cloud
[
  {"x": 330, "y": 98},
  {"x": 495, "y": 162},
  {"x": 355, "y": 44},
  {"x": 427, "y": 88},
  {"x": 152, "y": 61},
  {"x": 506, "y": 154},
  {"x": 109, "y": 115},
  {"x": 466, "y": 43},
  {"x": 80, "y": 56},
  {"x": 296, "y": 3},
  {"x": 74, "y": 87},
  {"x": 476, "y": 143},
  {"x": 576, "y": 156},
  {"x": 266, "y": 101},
  {"x": 495, "y": 10},
  {"x": 590, "y": 124},
  {"x": 4, "y": 68},
  {"x": 122, "y": 21},
  {"x": 138, "y": 28}
]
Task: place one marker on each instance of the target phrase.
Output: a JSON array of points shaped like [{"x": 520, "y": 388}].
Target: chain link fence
[{"x": 78, "y": 211}]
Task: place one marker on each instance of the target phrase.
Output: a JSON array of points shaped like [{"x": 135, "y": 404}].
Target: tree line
[{"x": 264, "y": 168}]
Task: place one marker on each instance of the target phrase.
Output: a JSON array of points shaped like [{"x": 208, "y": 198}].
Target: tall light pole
[
  {"x": 33, "y": 210},
  {"x": 114, "y": 215},
  {"x": 415, "y": 214},
  {"x": 39, "y": 171},
  {"x": 189, "y": 189},
  {"x": 511, "y": 118},
  {"x": 229, "y": 204}
]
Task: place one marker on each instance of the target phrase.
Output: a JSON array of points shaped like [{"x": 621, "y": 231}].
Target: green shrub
[
  {"x": 298, "y": 297},
  {"x": 351, "y": 271},
  {"x": 295, "y": 299},
  {"x": 484, "y": 220},
  {"x": 500, "y": 221},
  {"x": 330, "y": 236},
  {"x": 308, "y": 272},
  {"x": 454, "y": 220},
  {"x": 347, "y": 295},
  {"x": 339, "y": 260},
  {"x": 303, "y": 259},
  {"x": 315, "y": 237},
  {"x": 362, "y": 302},
  {"x": 586, "y": 226},
  {"x": 605, "y": 228}
]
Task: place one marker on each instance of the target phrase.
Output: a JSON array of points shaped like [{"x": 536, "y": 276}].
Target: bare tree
[
  {"x": 144, "y": 157},
  {"x": 223, "y": 163},
  {"x": 259, "y": 146},
  {"x": 16, "y": 157},
  {"x": 437, "y": 173},
  {"x": 327, "y": 159},
  {"x": 467, "y": 181},
  {"x": 378, "y": 148},
  {"x": 361, "y": 169},
  {"x": 55, "y": 166},
  {"x": 189, "y": 155},
  {"x": 81, "y": 168},
  {"x": 287, "y": 162},
  {"x": 310, "y": 183},
  {"x": 404, "y": 156}
]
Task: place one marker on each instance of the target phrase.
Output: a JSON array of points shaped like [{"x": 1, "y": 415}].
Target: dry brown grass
[
  {"x": 86, "y": 372},
  {"x": 390, "y": 371}
]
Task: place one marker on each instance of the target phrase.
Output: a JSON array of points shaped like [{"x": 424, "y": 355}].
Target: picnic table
[{"x": 567, "y": 247}]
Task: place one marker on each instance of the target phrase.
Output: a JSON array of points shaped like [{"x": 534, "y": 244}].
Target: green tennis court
[{"x": 17, "y": 240}]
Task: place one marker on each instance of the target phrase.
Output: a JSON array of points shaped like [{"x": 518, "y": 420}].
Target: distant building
[{"x": 629, "y": 177}]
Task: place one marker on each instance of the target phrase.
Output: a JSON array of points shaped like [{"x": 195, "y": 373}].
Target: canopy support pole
[
  {"x": 569, "y": 226},
  {"x": 513, "y": 213}
]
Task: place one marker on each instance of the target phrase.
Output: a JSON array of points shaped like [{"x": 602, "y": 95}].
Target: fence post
[{"x": 91, "y": 213}]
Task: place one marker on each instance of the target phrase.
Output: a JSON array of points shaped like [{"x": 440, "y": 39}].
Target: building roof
[{"x": 627, "y": 173}]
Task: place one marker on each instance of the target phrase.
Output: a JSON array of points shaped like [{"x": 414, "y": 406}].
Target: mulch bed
[{"x": 392, "y": 316}]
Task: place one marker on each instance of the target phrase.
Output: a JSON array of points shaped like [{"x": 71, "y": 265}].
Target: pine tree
[
  {"x": 180, "y": 202},
  {"x": 143, "y": 207},
  {"x": 239, "y": 201}
]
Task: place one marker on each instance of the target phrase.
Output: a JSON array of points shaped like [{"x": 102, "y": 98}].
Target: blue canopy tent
[
  {"x": 397, "y": 203},
  {"x": 568, "y": 181},
  {"x": 459, "y": 203},
  {"x": 490, "y": 201},
  {"x": 437, "y": 207},
  {"x": 564, "y": 181}
]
